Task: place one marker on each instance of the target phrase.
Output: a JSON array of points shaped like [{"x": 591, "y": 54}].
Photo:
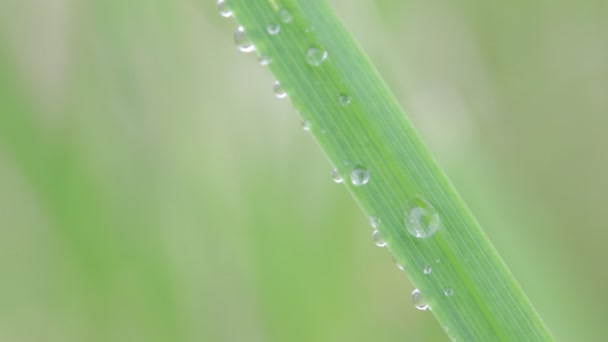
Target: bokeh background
[{"x": 152, "y": 188}]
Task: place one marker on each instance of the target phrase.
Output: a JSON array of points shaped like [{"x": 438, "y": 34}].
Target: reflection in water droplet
[
  {"x": 418, "y": 301},
  {"x": 374, "y": 221},
  {"x": 285, "y": 16},
  {"x": 265, "y": 60},
  {"x": 315, "y": 55},
  {"x": 427, "y": 270},
  {"x": 343, "y": 100},
  {"x": 335, "y": 176},
  {"x": 273, "y": 29},
  {"x": 359, "y": 176},
  {"x": 241, "y": 41},
  {"x": 448, "y": 292},
  {"x": 223, "y": 8},
  {"x": 399, "y": 266},
  {"x": 278, "y": 90},
  {"x": 378, "y": 239},
  {"x": 421, "y": 218},
  {"x": 306, "y": 125}
]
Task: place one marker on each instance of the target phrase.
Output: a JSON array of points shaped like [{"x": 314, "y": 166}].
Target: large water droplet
[
  {"x": 343, "y": 100},
  {"x": 335, "y": 176},
  {"x": 418, "y": 301},
  {"x": 315, "y": 55},
  {"x": 306, "y": 125},
  {"x": 448, "y": 292},
  {"x": 278, "y": 90},
  {"x": 285, "y": 16},
  {"x": 374, "y": 221},
  {"x": 421, "y": 218},
  {"x": 265, "y": 60},
  {"x": 427, "y": 270},
  {"x": 273, "y": 29},
  {"x": 241, "y": 41},
  {"x": 223, "y": 8},
  {"x": 359, "y": 176},
  {"x": 378, "y": 240}
]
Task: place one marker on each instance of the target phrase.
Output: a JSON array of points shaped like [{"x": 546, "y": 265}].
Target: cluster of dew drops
[{"x": 421, "y": 219}]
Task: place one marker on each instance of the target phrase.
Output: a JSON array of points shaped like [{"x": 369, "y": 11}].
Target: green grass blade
[{"x": 360, "y": 126}]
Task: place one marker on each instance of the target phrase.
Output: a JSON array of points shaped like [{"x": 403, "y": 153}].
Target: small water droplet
[
  {"x": 399, "y": 266},
  {"x": 306, "y": 125},
  {"x": 437, "y": 260},
  {"x": 448, "y": 292},
  {"x": 427, "y": 270},
  {"x": 223, "y": 8},
  {"x": 421, "y": 218},
  {"x": 374, "y": 221},
  {"x": 378, "y": 240},
  {"x": 418, "y": 301},
  {"x": 273, "y": 29},
  {"x": 315, "y": 55},
  {"x": 359, "y": 176},
  {"x": 285, "y": 16},
  {"x": 343, "y": 100},
  {"x": 265, "y": 60},
  {"x": 241, "y": 41},
  {"x": 278, "y": 90},
  {"x": 335, "y": 176}
]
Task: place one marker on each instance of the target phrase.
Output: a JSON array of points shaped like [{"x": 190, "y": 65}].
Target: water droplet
[
  {"x": 335, "y": 176},
  {"x": 418, "y": 301},
  {"x": 223, "y": 8},
  {"x": 265, "y": 60},
  {"x": 241, "y": 41},
  {"x": 315, "y": 55},
  {"x": 306, "y": 125},
  {"x": 421, "y": 218},
  {"x": 359, "y": 176},
  {"x": 448, "y": 292},
  {"x": 374, "y": 221},
  {"x": 437, "y": 260},
  {"x": 343, "y": 100},
  {"x": 399, "y": 266},
  {"x": 273, "y": 29},
  {"x": 285, "y": 16},
  {"x": 378, "y": 240},
  {"x": 427, "y": 270},
  {"x": 278, "y": 90}
]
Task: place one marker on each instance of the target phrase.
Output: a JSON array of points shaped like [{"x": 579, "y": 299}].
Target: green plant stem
[{"x": 371, "y": 132}]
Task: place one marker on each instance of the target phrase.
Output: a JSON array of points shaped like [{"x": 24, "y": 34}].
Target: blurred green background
[{"x": 152, "y": 188}]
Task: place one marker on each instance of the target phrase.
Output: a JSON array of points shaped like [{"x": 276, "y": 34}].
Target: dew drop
[
  {"x": 241, "y": 41},
  {"x": 448, "y": 292},
  {"x": 343, "y": 100},
  {"x": 437, "y": 260},
  {"x": 273, "y": 29},
  {"x": 427, "y": 270},
  {"x": 378, "y": 240},
  {"x": 315, "y": 55},
  {"x": 335, "y": 176},
  {"x": 397, "y": 263},
  {"x": 306, "y": 125},
  {"x": 278, "y": 90},
  {"x": 418, "y": 301},
  {"x": 374, "y": 221},
  {"x": 265, "y": 60},
  {"x": 224, "y": 9},
  {"x": 359, "y": 176},
  {"x": 421, "y": 218},
  {"x": 285, "y": 16}
]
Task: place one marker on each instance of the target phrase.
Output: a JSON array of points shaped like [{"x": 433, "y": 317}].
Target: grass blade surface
[{"x": 366, "y": 136}]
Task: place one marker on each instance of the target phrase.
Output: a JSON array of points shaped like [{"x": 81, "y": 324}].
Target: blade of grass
[{"x": 364, "y": 133}]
